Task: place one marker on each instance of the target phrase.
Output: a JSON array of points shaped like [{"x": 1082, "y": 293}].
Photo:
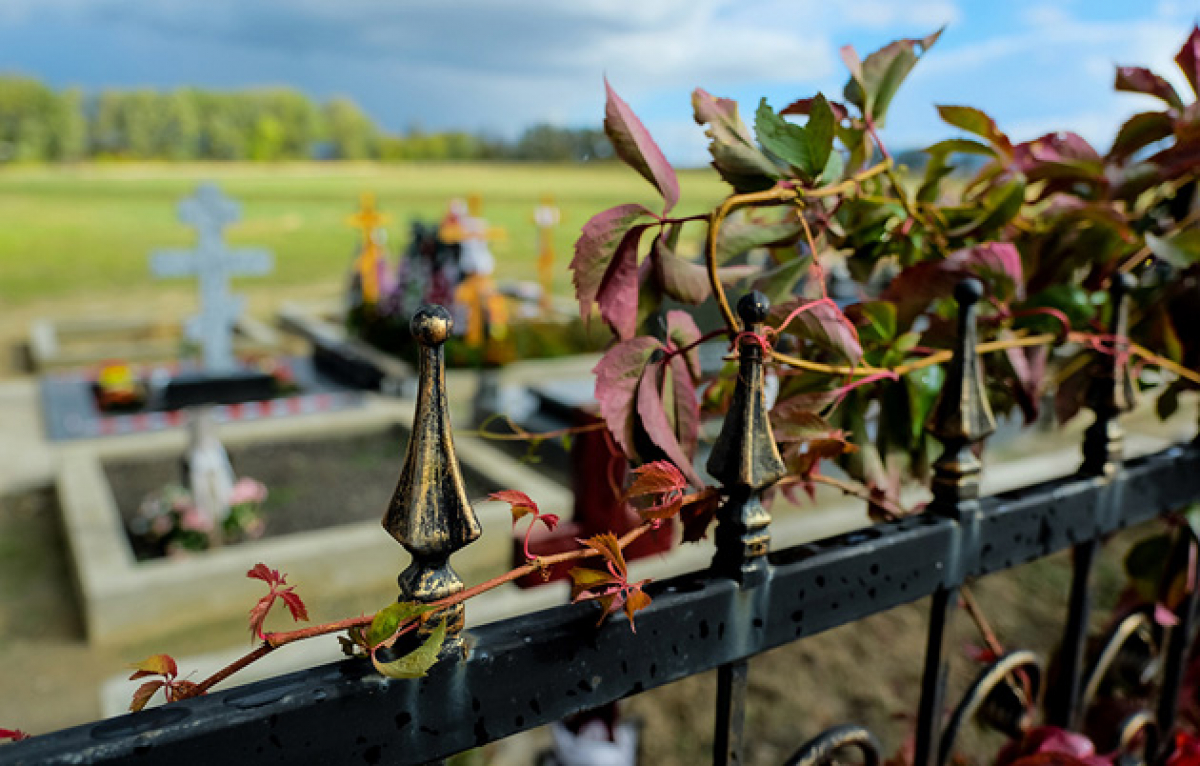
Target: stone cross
[{"x": 209, "y": 211}]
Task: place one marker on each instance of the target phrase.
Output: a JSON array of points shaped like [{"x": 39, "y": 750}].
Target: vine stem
[
  {"x": 274, "y": 641},
  {"x": 777, "y": 195},
  {"x": 520, "y": 434},
  {"x": 854, "y": 490}
]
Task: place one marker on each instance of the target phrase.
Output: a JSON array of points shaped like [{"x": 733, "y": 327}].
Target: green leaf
[
  {"x": 878, "y": 320},
  {"x": 784, "y": 140},
  {"x": 999, "y": 207},
  {"x": 976, "y": 121},
  {"x": 924, "y": 385},
  {"x": 389, "y": 619},
  {"x": 416, "y": 663},
  {"x": 818, "y": 134},
  {"x": 1179, "y": 248}
]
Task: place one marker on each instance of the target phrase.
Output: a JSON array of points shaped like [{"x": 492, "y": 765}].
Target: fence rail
[{"x": 524, "y": 672}]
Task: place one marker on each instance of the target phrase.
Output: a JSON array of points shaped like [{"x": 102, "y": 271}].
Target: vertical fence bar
[
  {"x": 961, "y": 419},
  {"x": 429, "y": 513},
  {"x": 746, "y": 460},
  {"x": 1108, "y": 396}
]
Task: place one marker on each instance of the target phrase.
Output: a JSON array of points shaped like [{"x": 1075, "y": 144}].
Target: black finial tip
[
  {"x": 1123, "y": 282},
  {"x": 431, "y": 325},
  {"x": 968, "y": 292},
  {"x": 754, "y": 307}
]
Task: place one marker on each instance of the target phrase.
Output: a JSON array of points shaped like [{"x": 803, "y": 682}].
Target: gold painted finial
[
  {"x": 429, "y": 513},
  {"x": 962, "y": 417},
  {"x": 745, "y": 458}
]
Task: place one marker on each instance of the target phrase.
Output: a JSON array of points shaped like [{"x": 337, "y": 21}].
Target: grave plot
[
  {"x": 120, "y": 398},
  {"x": 364, "y": 337}
]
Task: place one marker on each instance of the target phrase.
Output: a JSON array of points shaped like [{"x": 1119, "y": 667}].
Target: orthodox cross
[{"x": 209, "y": 211}]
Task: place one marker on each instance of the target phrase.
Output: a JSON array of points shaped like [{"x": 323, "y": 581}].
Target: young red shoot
[
  {"x": 522, "y": 505},
  {"x": 279, "y": 589},
  {"x": 663, "y": 484},
  {"x": 16, "y": 735},
  {"x": 172, "y": 687},
  {"x": 610, "y": 586}
]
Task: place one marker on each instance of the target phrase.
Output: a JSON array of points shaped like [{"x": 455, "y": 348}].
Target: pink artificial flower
[{"x": 247, "y": 491}]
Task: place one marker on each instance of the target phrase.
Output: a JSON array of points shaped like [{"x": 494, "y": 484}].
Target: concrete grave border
[{"x": 124, "y": 600}]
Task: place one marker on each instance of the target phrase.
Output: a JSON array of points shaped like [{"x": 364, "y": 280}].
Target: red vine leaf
[
  {"x": 520, "y": 503},
  {"x": 155, "y": 665},
  {"x": 596, "y": 251},
  {"x": 663, "y": 483},
  {"x": 618, "y": 294},
  {"x": 16, "y": 735},
  {"x": 611, "y": 588},
  {"x": 1188, "y": 59},
  {"x": 681, "y": 333},
  {"x": 697, "y": 514},
  {"x": 998, "y": 264},
  {"x": 1136, "y": 79},
  {"x": 278, "y": 589},
  {"x": 633, "y": 144},
  {"x": 823, "y": 323},
  {"x": 656, "y": 422},
  {"x": 617, "y": 375},
  {"x": 142, "y": 696}
]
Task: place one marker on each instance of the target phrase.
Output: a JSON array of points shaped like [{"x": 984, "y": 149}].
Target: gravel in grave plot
[{"x": 311, "y": 483}]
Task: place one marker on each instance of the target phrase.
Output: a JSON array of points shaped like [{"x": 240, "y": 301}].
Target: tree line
[{"x": 41, "y": 124}]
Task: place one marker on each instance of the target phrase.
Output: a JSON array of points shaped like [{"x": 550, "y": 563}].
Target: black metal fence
[{"x": 531, "y": 670}]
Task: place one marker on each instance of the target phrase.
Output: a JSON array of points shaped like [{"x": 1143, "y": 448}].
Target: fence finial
[
  {"x": 745, "y": 459},
  {"x": 745, "y": 453},
  {"x": 429, "y": 513},
  {"x": 962, "y": 416},
  {"x": 1110, "y": 391}
]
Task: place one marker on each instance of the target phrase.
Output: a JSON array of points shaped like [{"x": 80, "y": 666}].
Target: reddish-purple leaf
[
  {"x": 633, "y": 144},
  {"x": 143, "y": 694},
  {"x": 681, "y": 279},
  {"x": 1029, "y": 367},
  {"x": 617, "y": 375},
  {"x": 520, "y": 503},
  {"x": 698, "y": 513},
  {"x": 596, "y": 250},
  {"x": 1136, "y": 79},
  {"x": 618, "y": 295},
  {"x": 1056, "y": 155},
  {"x": 803, "y": 106},
  {"x": 683, "y": 332},
  {"x": 1188, "y": 59},
  {"x": 1139, "y": 131},
  {"x": 155, "y": 665},
  {"x": 821, "y": 322},
  {"x": 258, "y": 613},
  {"x": 294, "y": 604},
  {"x": 687, "y": 405},
  {"x": 266, "y": 574},
  {"x": 657, "y": 478},
  {"x": 998, "y": 264},
  {"x": 658, "y": 425}
]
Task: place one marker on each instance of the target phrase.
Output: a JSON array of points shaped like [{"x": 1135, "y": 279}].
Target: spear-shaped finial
[
  {"x": 429, "y": 514},
  {"x": 1110, "y": 392},
  {"x": 962, "y": 417},
  {"x": 745, "y": 452},
  {"x": 745, "y": 459}
]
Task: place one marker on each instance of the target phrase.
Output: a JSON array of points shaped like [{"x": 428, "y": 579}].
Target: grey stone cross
[{"x": 209, "y": 211}]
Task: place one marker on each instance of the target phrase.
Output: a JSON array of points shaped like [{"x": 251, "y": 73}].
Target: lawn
[{"x": 67, "y": 232}]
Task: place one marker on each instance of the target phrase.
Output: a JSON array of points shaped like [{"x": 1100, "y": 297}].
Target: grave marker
[{"x": 209, "y": 211}]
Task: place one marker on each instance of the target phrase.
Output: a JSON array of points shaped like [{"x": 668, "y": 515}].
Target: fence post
[
  {"x": 746, "y": 460},
  {"x": 961, "y": 419},
  {"x": 429, "y": 513},
  {"x": 1108, "y": 396}
]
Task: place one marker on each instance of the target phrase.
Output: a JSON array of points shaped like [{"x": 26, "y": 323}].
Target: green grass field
[{"x": 67, "y": 232}]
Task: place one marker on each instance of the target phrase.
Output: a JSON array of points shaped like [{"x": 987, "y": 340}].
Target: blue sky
[{"x": 499, "y": 65}]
